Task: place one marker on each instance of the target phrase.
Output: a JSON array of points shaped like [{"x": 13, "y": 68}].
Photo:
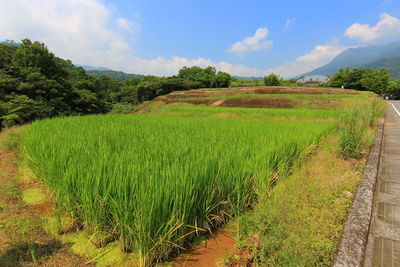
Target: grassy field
[{"x": 153, "y": 182}]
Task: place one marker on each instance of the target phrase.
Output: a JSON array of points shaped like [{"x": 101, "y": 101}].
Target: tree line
[
  {"x": 35, "y": 84},
  {"x": 377, "y": 81}
]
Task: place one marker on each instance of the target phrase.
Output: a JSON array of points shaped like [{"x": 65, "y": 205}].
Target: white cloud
[
  {"x": 319, "y": 56},
  {"x": 387, "y": 26},
  {"x": 80, "y": 30},
  {"x": 289, "y": 23},
  {"x": 73, "y": 29},
  {"x": 256, "y": 42},
  {"x": 127, "y": 25},
  {"x": 165, "y": 66}
]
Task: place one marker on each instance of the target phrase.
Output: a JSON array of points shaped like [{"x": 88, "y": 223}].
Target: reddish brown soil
[
  {"x": 21, "y": 225},
  {"x": 192, "y": 101},
  {"x": 187, "y": 95},
  {"x": 142, "y": 111},
  {"x": 249, "y": 102},
  {"x": 209, "y": 252},
  {"x": 299, "y": 90},
  {"x": 217, "y": 103}
]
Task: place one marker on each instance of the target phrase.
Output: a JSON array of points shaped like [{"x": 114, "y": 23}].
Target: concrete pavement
[{"x": 383, "y": 248}]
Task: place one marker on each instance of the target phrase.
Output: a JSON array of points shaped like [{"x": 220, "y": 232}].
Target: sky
[{"x": 242, "y": 37}]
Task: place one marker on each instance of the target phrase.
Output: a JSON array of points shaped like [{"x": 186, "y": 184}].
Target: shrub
[{"x": 272, "y": 80}]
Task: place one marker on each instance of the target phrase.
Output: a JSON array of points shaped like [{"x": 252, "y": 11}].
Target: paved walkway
[{"x": 383, "y": 247}]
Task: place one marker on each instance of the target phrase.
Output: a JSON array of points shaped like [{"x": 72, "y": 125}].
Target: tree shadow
[{"x": 28, "y": 253}]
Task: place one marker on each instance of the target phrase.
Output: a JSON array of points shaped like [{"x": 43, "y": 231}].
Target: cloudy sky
[{"x": 242, "y": 37}]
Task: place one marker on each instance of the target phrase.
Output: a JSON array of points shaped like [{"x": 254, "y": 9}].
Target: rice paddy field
[{"x": 152, "y": 182}]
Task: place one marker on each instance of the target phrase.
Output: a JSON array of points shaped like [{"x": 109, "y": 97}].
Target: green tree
[
  {"x": 354, "y": 80},
  {"x": 205, "y": 78},
  {"x": 36, "y": 55},
  {"x": 223, "y": 79},
  {"x": 394, "y": 89},
  {"x": 376, "y": 81},
  {"x": 340, "y": 78},
  {"x": 22, "y": 109},
  {"x": 272, "y": 80}
]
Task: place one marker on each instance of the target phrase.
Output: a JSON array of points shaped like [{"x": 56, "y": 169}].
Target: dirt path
[
  {"x": 383, "y": 247},
  {"x": 23, "y": 241},
  {"x": 217, "y": 103}
]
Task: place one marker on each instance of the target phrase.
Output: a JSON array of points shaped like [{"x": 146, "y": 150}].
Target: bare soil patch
[
  {"x": 217, "y": 103},
  {"x": 249, "y": 102},
  {"x": 209, "y": 252},
  {"x": 191, "y": 101},
  {"x": 299, "y": 90}
]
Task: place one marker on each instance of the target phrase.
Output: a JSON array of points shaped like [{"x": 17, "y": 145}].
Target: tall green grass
[
  {"x": 354, "y": 127},
  {"x": 154, "y": 181}
]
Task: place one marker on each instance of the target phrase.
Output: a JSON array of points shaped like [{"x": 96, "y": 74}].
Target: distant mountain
[
  {"x": 117, "y": 75},
  {"x": 86, "y": 67},
  {"x": 358, "y": 57},
  {"x": 10, "y": 43},
  {"x": 248, "y": 78}
]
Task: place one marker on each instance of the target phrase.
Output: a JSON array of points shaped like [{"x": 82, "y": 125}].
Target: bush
[
  {"x": 122, "y": 108},
  {"x": 273, "y": 80}
]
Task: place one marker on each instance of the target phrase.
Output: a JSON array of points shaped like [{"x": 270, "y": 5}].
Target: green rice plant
[
  {"x": 187, "y": 110},
  {"x": 155, "y": 181}
]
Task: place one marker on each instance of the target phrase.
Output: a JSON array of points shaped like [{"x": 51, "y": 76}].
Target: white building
[{"x": 313, "y": 78}]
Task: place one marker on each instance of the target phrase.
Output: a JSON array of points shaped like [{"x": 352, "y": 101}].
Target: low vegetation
[
  {"x": 151, "y": 181},
  {"x": 301, "y": 221}
]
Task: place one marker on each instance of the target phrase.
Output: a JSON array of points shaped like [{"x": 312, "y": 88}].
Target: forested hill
[
  {"x": 35, "y": 84},
  {"x": 391, "y": 64},
  {"x": 117, "y": 75}
]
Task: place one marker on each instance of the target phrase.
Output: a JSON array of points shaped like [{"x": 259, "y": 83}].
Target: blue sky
[{"x": 247, "y": 38}]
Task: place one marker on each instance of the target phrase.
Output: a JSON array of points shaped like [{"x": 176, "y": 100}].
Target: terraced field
[
  {"x": 264, "y": 97},
  {"x": 188, "y": 163}
]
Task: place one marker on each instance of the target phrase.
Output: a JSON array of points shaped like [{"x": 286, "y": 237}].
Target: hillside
[
  {"x": 87, "y": 67},
  {"x": 360, "y": 57},
  {"x": 392, "y": 64},
  {"x": 117, "y": 75},
  {"x": 247, "y": 78}
]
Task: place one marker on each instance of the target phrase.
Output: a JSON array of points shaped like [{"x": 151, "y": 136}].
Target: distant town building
[{"x": 313, "y": 79}]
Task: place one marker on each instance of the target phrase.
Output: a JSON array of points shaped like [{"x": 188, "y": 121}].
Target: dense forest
[{"x": 35, "y": 84}]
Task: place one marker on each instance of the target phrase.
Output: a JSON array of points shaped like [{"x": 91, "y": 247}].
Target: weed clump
[{"x": 354, "y": 128}]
